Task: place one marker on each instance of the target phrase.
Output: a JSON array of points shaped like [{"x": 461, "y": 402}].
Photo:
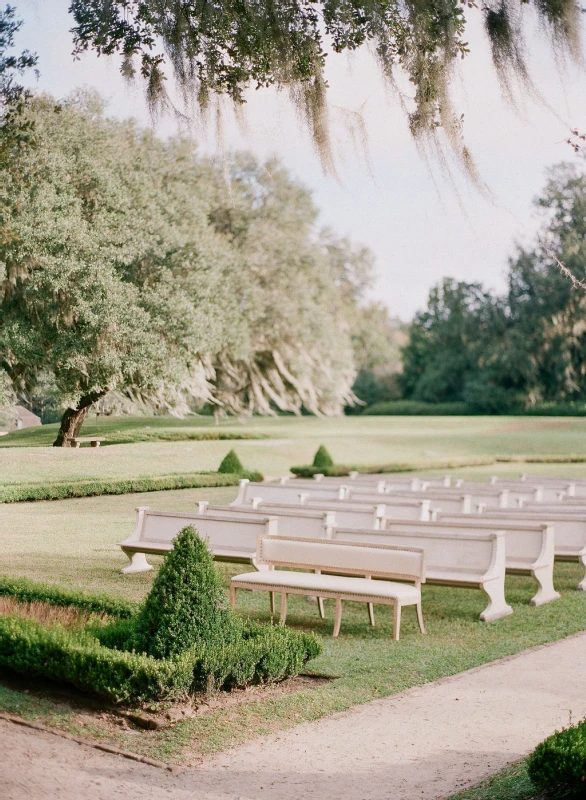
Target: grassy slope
[
  {"x": 74, "y": 542},
  {"x": 294, "y": 441}
]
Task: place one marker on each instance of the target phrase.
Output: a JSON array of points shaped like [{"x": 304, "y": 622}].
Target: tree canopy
[
  {"x": 132, "y": 268},
  {"x": 224, "y": 48},
  {"x": 500, "y": 353}
]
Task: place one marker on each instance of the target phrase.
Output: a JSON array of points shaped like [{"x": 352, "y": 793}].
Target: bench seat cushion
[{"x": 336, "y": 584}]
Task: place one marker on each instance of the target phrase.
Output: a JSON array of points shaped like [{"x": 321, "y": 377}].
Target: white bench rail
[{"x": 296, "y": 521}]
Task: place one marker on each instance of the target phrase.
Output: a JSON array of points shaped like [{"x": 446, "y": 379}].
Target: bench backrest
[
  {"x": 478, "y": 554},
  {"x": 408, "y": 508},
  {"x": 311, "y": 484},
  {"x": 459, "y": 503},
  {"x": 349, "y": 558},
  {"x": 222, "y": 531},
  {"x": 529, "y": 542},
  {"x": 293, "y": 520},
  {"x": 283, "y": 492},
  {"x": 569, "y": 529}
]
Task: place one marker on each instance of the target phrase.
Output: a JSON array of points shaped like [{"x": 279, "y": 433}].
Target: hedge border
[{"x": 19, "y": 493}]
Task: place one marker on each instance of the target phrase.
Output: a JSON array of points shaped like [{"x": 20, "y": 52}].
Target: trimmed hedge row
[
  {"x": 557, "y": 766},
  {"x": 416, "y": 408},
  {"x": 18, "y": 493},
  {"x": 341, "y": 470},
  {"x": 262, "y": 653},
  {"x": 28, "y": 591}
]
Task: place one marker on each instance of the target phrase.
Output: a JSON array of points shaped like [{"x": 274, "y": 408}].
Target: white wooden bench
[
  {"x": 283, "y": 492},
  {"x": 569, "y": 531},
  {"x": 230, "y": 539},
  {"x": 296, "y": 521},
  {"x": 93, "y": 441},
  {"x": 347, "y": 561},
  {"x": 452, "y": 559},
  {"x": 400, "y": 508},
  {"x": 309, "y": 484},
  {"x": 458, "y": 503},
  {"x": 529, "y": 546}
]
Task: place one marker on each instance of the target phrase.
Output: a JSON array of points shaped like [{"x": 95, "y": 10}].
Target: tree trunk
[{"x": 73, "y": 419}]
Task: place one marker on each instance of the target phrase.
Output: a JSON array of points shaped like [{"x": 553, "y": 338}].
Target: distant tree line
[{"x": 524, "y": 348}]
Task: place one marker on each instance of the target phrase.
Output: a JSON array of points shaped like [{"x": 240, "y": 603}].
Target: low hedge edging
[
  {"x": 341, "y": 470},
  {"x": 27, "y": 591},
  {"x": 18, "y": 493}
]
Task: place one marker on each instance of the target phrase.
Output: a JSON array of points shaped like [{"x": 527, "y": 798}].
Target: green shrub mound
[
  {"x": 187, "y": 605},
  {"x": 231, "y": 463},
  {"x": 183, "y": 639},
  {"x": 557, "y": 766},
  {"x": 417, "y": 408},
  {"x": 322, "y": 459}
]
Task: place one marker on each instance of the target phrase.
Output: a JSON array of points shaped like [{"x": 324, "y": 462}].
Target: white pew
[
  {"x": 296, "y": 520},
  {"x": 347, "y": 561},
  {"x": 458, "y": 503},
  {"x": 346, "y": 516},
  {"x": 452, "y": 559},
  {"x": 529, "y": 547},
  {"x": 377, "y": 486},
  {"x": 229, "y": 539},
  {"x": 569, "y": 531},
  {"x": 283, "y": 492}
]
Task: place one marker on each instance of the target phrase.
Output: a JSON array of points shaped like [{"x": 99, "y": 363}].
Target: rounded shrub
[
  {"x": 557, "y": 766},
  {"x": 231, "y": 464},
  {"x": 322, "y": 458},
  {"x": 187, "y": 605}
]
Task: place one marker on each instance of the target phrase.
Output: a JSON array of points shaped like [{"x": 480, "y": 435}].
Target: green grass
[
  {"x": 511, "y": 783},
  {"x": 74, "y": 543},
  {"x": 351, "y": 440}
]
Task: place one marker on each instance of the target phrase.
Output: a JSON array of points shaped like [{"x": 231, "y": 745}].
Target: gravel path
[{"x": 426, "y": 743}]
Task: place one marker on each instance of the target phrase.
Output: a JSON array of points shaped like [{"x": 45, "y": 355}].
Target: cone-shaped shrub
[
  {"x": 322, "y": 458},
  {"x": 231, "y": 464},
  {"x": 187, "y": 605}
]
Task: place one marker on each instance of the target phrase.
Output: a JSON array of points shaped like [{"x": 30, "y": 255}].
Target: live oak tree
[{"x": 223, "y": 48}]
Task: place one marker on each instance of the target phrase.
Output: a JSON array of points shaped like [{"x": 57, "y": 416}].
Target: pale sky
[{"x": 420, "y": 228}]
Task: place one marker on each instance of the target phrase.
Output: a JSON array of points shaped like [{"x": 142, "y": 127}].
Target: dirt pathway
[{"x": 426, "y": 743}]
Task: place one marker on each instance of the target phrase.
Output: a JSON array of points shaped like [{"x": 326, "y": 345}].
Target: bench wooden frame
[
  {"x": 283, "y": 492},
  {"x": 336, "y": 559},
  {"x": 491, "y": 578},
  {"x": 319, "y": 523},
  {"x": 142, "y": 542},
  {"x": 93, "y": 440},
  {"x": 529, "y": 549}
]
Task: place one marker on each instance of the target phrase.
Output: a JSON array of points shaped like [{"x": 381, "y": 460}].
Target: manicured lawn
[
  {"x": 422, "y": 441},
  {"x": 511, "y": 783},
  {"x": 74, "y": 542}
]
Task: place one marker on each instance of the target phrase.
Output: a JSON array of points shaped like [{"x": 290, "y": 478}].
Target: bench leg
[
  {"x": 283, "y": 608},
  {"x": 233, "y": 597},
  {"x": 77, "y": 444},
  {"x": 138, "y": 563},
  {"x": 397, "y": 622},
  {"x": 420, "y": 618},
  {"x": 320, "y": 605},
  {"x": 338, "y": 619},
  {"x": 272, "y": 597},
  {"x": 582, "y": 585},
  {"x": 546, "y": 591},
  {"x": 497, "y": 607},
  {"x": 95, "y": 444},
  {"x": 371, "y": 613}
]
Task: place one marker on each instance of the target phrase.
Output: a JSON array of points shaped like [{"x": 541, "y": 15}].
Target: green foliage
[
  {"x": 557, "y": 766},
  {"x": 340, "y": 470},
  {"x": 526, "y": 350},
  {"x": 322, "y": 458},
  {"x": 231, "y": 463},
  {"x": 28, "y": 591},
  {"x": 418, "y": 408},
  {"x": 10, "y": 64},
  {"x": 224, "y": 49},
  {"x": 92, "y": 488},
  {"x": 187, "y": 604}
]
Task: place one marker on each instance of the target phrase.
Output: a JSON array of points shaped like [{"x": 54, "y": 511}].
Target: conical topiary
[
  {"x": 187, "y": 604},
  {"x": 231, "y": 464},
  {"x": 322, "y": 458}
]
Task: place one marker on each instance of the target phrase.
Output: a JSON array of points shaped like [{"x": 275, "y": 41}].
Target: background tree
[
  {"x": 529, "y": 346},
  {"x": 225, "y": 48}
]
